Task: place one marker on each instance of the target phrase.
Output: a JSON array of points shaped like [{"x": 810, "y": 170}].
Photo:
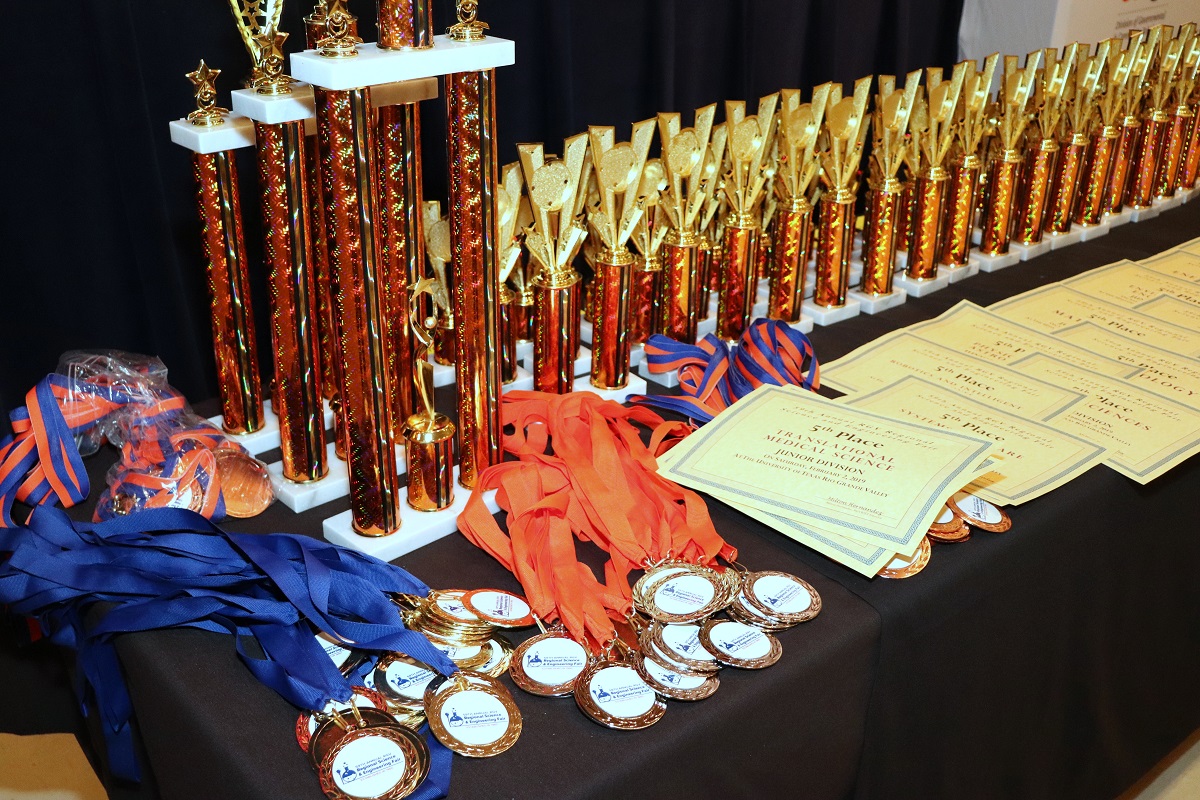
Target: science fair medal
[
  {"x": 384, "y": 762},
  {"x": 689, "y": 595},
  {"x": 308, "y": 722},
  {"x": 499, "y": 651},
  {"x": 906, "y": 566},
  {"x": 681, "y": 644},
  {"x": 472, "y": 714},
  {"x": 612, "y": 693},
  {"x": 343, "y": 658},
  {"x": 337, "y": 725},
  {"x": 737, "y": 644},
  {"x": 949, "y": 528},
  {"x": 245, "y": 482},
  {"x": 499, "y": 608},
  {"x": 979, "y": 512},
  {"x": 401, "y": 679},
  {"x": 548, "y": 664},
  {"x": 676, "y": 685},
  {"x": 779, "y": 596}
]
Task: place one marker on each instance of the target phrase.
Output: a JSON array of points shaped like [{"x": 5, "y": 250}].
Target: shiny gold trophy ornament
[
  {"x": 691, "y": 183},
  {"x": 965, "y": 174},
  {"x": 1165, "y": 55},
  {"x": 1016, "y": 89},
  {"x": 349, "y": 155},
  {"x": 1189, "y": 168},
  {"x": 555, "y": 190},
  {"x": 285, "y": 204},
  {"x": 646, "y": 307},
  {"x": 1082, "y": 94},
  {"x": 890, "y": 115},
  {"x": 618, "y": 175},
  {"x": 225, "y": 251},
  {"x": 932, "y": 127},
  {"x": 1140, "y": 52},
  {"x": 508, "y": 213},
  {"x": 439, "y": 253},
  {"x": 1115, "y": 68},
  {"x": 1041, "y": 154},
  {"x": 428, "y": 435},
  {"x": 846, "y": 125},
  {"x": 746, "y": 180},
  {"x": 799, "y": 166},
  {"x": 1181, "y": 116}
]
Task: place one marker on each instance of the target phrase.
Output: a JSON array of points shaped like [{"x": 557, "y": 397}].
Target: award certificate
[
  {"x": 1179, "y": 263},
  {"x": 1129, "y": 283},
  {"x": 1176, "y": 312},
  {"x": 1161, "y": 372}
]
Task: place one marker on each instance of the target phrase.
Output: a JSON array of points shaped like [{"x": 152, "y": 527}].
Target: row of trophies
[{"x": 370, "y": 283}]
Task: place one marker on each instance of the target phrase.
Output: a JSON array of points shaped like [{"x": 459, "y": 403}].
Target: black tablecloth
[{"x": 1057, "y": 660}]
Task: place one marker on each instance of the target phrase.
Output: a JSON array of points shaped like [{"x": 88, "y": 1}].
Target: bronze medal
[{"x": 245, "y": 482}]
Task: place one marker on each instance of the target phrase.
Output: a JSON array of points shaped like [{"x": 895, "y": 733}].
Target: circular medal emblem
[
  {"x": 548, "y": 664},
  {"x": 615, "y": 695}
]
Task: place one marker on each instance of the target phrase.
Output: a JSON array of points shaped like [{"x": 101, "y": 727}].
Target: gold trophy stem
[
  {"x": 1131, "y": 130},
  {"x": 1034, "y": 187},
  {"x": 348, "y": 150},
  {"x": 739, "y": 284},
  {"x": 1190, "y": 168},
  {"x": 998, "y": 213},
  {"x": 960, "y": 212},
  {"x": 1145, "y": 162},
  {"x": 879, "y": 244},
  {"x": 508, "y": 334},
  {"x": 835, "y": 238},
  {"x": 1064, "y": 189},
  {"x": 471, "y": 150},
  {"x": 1168, "y": 171},
  {"x": 1097, "y": 171},
  {"x": 610, "y": 322},
  {"x": 681, "y": 265},
  {"x": 229, "y": 290},
  {"x": 298, "y": 401},
  {"x": 928, "y": 223},
  {"x": 405, "y": 24},
  {"x": 645, "y": 312},
  {"x": 556, "y": 333},
  {"x": 429, "y": 449},
  {"x": 789, "y": 261}
]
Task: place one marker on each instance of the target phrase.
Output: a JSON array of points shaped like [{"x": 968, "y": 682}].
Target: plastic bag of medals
[
  {"x": 950, "y": 527},
  {"x": 469, "y": 712},
  {"x": 682, "y": 642}
]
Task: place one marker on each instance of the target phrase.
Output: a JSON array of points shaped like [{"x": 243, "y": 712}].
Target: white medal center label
[
  {"x": 978, "y": 508},
  {"x": 474, "y": 717},
  {"x": 554, "y": 661},
  {"x": 620, "y": 691},
  {"x": 672, "y": 679},
  {"x": 369, "y": 767},
  {"x": 455, "y": 608},
  {"x": 782, "y": 595},
  {"x": 740, "y": 641},
  {"x": 408, "y": 680},
  {"x": 946, "y": 517},
  {"x": 684, "y": 594},
  {"x": 458, "y": 653},
  {"x": 501, "y": 605},
  {"x": 336, "y": 652},
  {"x": 685, "y": 641}
]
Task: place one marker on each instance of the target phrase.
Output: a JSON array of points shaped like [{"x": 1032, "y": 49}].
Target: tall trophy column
[
  {"x": 965, "y": 174},
  {"x": 1078, "y": 120},
  {"x": 1097, "y": 167}
]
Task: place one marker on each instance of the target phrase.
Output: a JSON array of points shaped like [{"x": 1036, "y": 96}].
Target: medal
[
  {"x": 615, "y": 695},
  {"x": 947, "y": 522},
  {"x": 681, "y": 644},
  {"x": 675, "y": 685},
  {"x": 384, "y": 762},
  {"x": 245, "y": 482},
  {"x": 906, "y": 566},
  {"x": 344, "y": 659},
  {"x": 499, "y": 651},
  {"x": 336, "y": 725},
  {"x": 979, "y": 512},
  {"x": 737, "y": 644},
  {"x": 548, "y": 664},
  {"x": 401, "y": 679},
  {"x": 779, "y": 596},
  {"x": 960, "y": 534},
  {"x": 472, "y": 714},
  {"x": 362, "y": 697},
  {"x": 681, "y": 593},
  {"x": 502, "y": 609}
]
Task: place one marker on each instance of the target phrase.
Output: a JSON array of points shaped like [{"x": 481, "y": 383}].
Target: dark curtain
[{"x": 100, "y": 236}]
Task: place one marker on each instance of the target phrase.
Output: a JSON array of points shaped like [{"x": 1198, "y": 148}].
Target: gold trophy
[
  {"x": 428, "y": 435},
  {"x": 1182, "y": 115},
  {"x": 1189, "y": 168},
  {"x": 509, "y": 206},
  {"x": 846, "y": 126},
  {"x": 1115, "y": 68},
  {"x": 438, "y": 252},
  {"x": 799, "y": 165},
  {"x": 691, "y": 183},
  {"x": 1015, "y": 93},
  {"x": 646, "y": 305},
  {"x": 746, "y": 179},
  {"x": 1165, "y": 55},
  {"x": 1081, "y": 94},
  {"x": 224, "y": 247},
  {"x": 1140, "y": 52},
  {"x": 1041, "y": 155},
  {"x": 893, "y": 110},
  {"x": 618, "y": 175},
  {"x": 933, "y": 129},
  {"x": 553, "y": 241},
  {"x": 965, "y": 175}
]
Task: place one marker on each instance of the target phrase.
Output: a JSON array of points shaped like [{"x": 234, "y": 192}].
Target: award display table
[{"x": 1056, "y": 660}]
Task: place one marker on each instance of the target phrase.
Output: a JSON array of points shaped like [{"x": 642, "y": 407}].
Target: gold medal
[
  {"x": 500, "y": 651},
  {"x": 338, "y": 724},
  {"x": 468, "y": 657},
  {"x": 502, "y": 609},
  {"x": 548, "y": 664},
  {"x": 947, "y": 522},
  {"x": 401, "y": 679},
  {"x": 675, "y": 685},
  {"x": 681, "y": 644},
  {"x": 906, "y": 567},
  {"x": 472, "y": 714},
  {"x": 345, "y": 659},
  {"x": 979, "y": 512},
  {"x": 780, "y": 596},
  {"x": 245, "y": 482},
  {"x": 362, "y": 697},
  {"x": 737, "y": 644},
  {"x": 385, "y": 762},
  {"x": 615, "y": 695}
]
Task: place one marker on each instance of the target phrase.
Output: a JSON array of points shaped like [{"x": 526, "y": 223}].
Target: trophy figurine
[
  {"x": 1164, "y": 56},
  {"x": 1041, "y": 155},
  {"x": 618, "y": 175},
  {"x": 932, "y": 125},
  {"x": 1139, "y": 53},
  {"x": 508, "y": 215},
  {"x": 691, "y": 183},
  {"x": 1189, "y": 168},
  {"x": 438, "y": 253},
  {"x": 1015, "y": 93},
  {"x": 746, "y": 180},
  {"x": 964, "y": 177},
  {"x": 646, "y": 306},
  {"x": 224, "y": 248},
  {"x": 428, "y": 435},
  {"x": 1073, "y": 137},
  {"x": 1115, "y": 68},
  {"x": 553, "y": 240},
  {"x": 1182, "y": 115},
  {"x": 799, "y": 165},
  {"x": 846, "y": 125}
]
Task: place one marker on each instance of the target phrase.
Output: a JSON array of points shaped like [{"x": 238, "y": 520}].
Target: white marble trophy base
[
  {"x": 900, "y": 260},
  {"x": 637, "y": 354},
  {"x": 1164, "y": 203},
  {"x": 805, "y": 325},
  {"x": 523, "y": 382},
  {"x": 874, "y": 303},
  {"x": 417, "y": 528},
  {"x": 997, "y": 262},
  {"x": 264, "y": 439},
  {"x": 585, "y": 331},
  {"x": 300, "y": 497},
  {"x": 828, "y": 316},
  {"x": 760, "y": 310},
  {"x": 443, "y": 374},
  {"x": 524, "y": 350},
  {"x": 1060, "y": 240},
  {"x": 810, "y": 281},
  {"x": 635, "y": 385},
  {"x": 977, "y": 236},
  {"x": 583, "y": 362},
  {"x": 967, "y": 270},
  {"x": 373, "y": 66},
  {"x": 1191, "y": 193},
  {"x": 1089, "y": 232},
  {"x": 1028, "y": 251},
  {"x": 1125, "y": 215},
  {"x": 669, "y": 379},
  {"x": 1139, "y": 214},
  {"x": 235, "y": 132},
  {"x": 706, "y": 326},
  {"x": 916, "y": 288}
]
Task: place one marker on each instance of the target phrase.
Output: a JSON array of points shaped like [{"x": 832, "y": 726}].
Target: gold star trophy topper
[
  {"x": 207, "y": 112},
  {"x": 340, "y": 42},
  {"x": 468, "y": 27},
  {"x": 268, "y": 71}
]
